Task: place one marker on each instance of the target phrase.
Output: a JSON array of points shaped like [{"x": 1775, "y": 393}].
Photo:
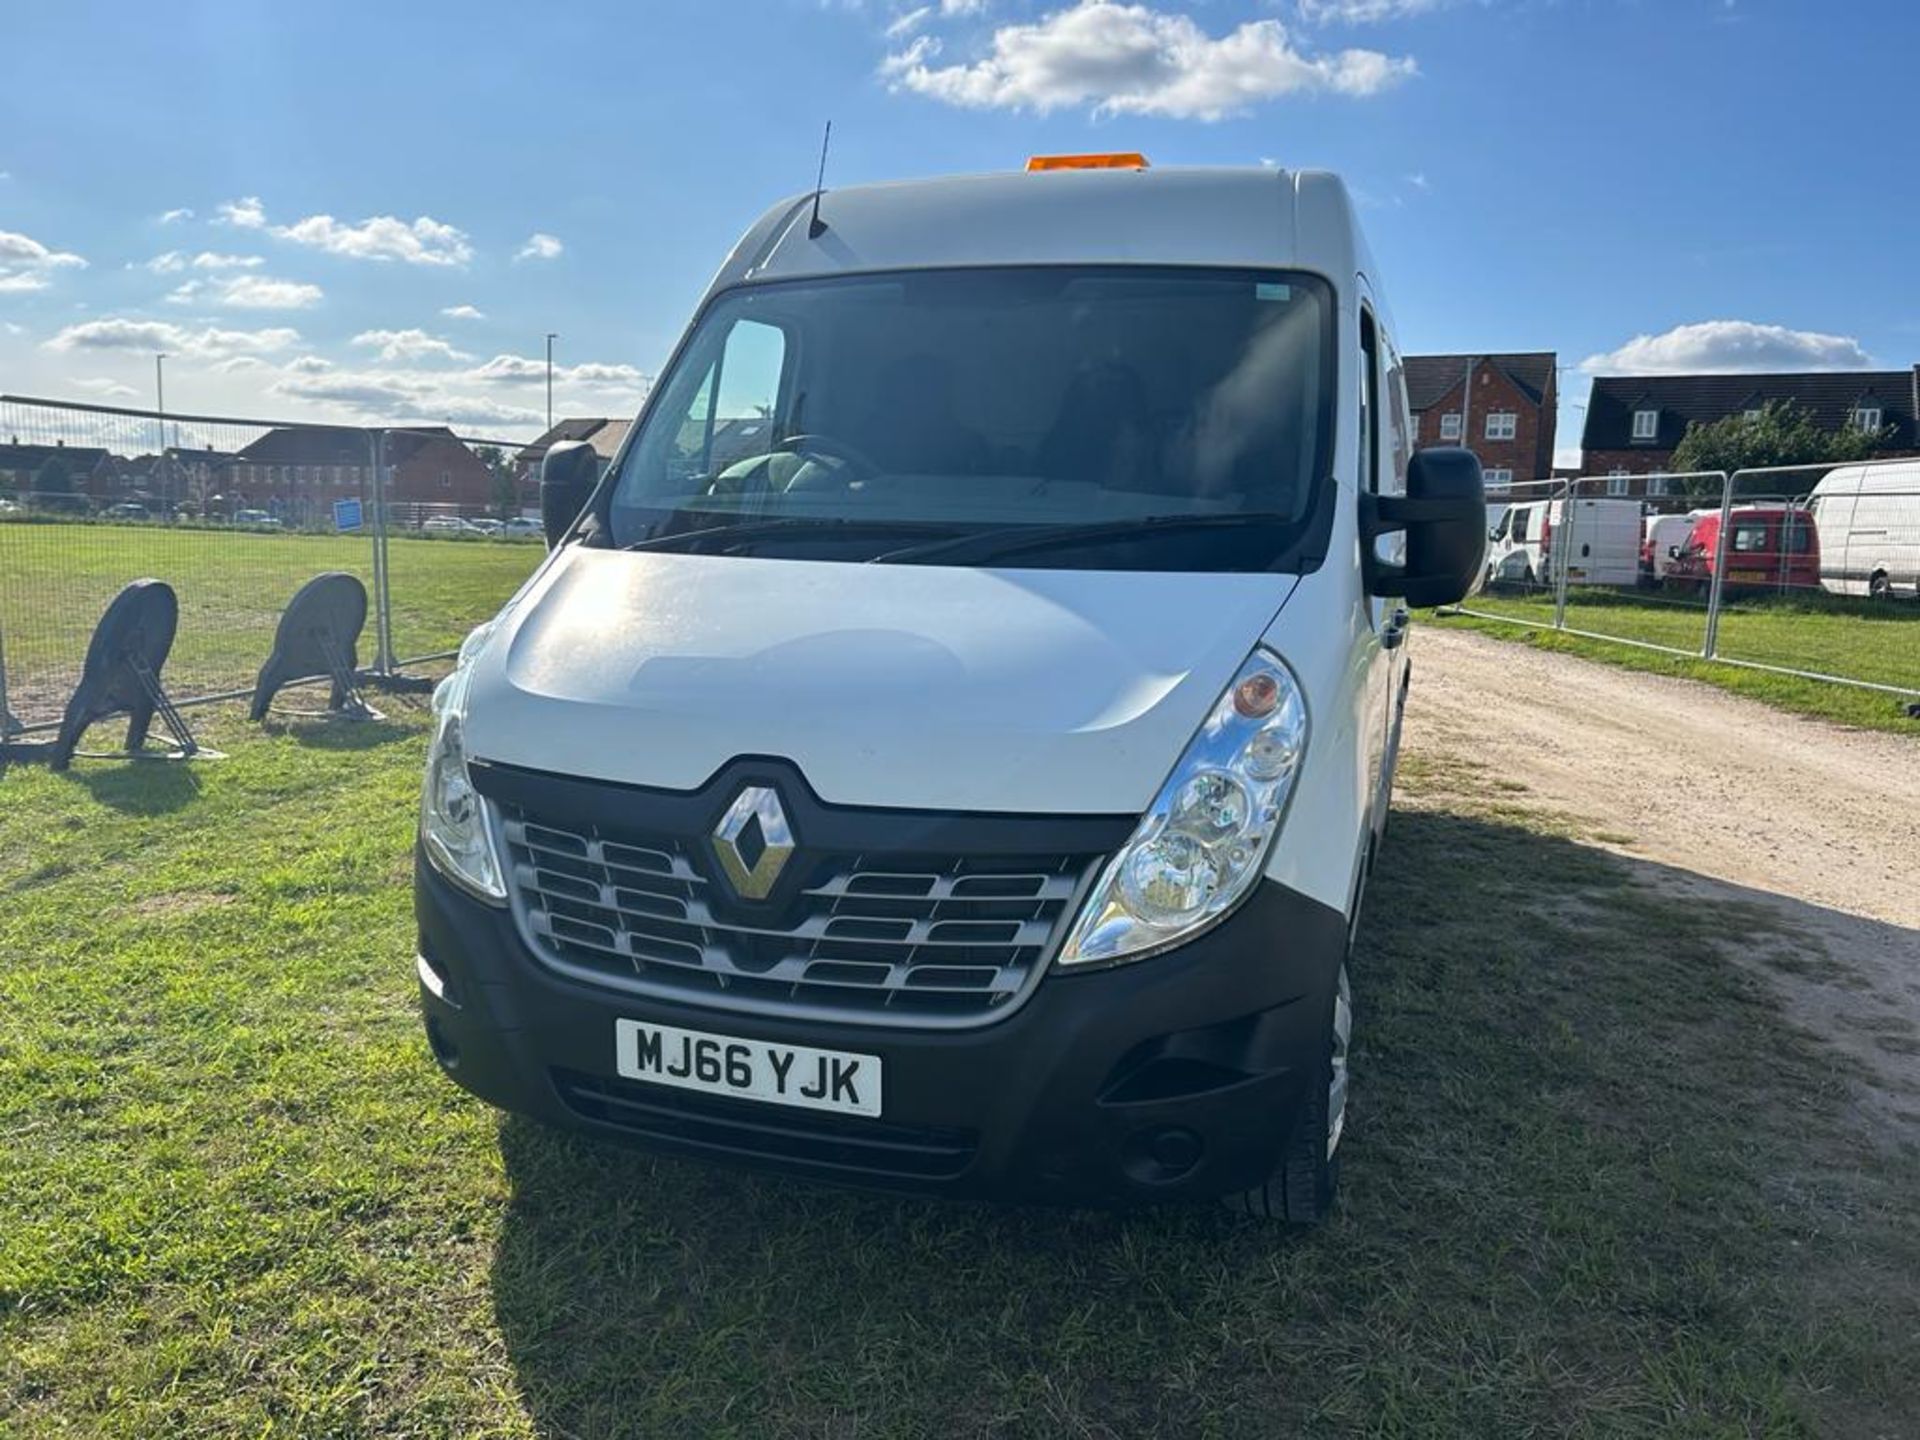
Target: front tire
[
  {"x": 1301, "y": 1189},
  {"x": 1880, "y": 587}
]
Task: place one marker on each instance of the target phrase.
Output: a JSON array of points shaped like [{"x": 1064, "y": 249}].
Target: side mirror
[
  {"x": 1444, "y": 515},
  {"x": 568, "y": 476},
  {"x": 1673, "y": 552}
]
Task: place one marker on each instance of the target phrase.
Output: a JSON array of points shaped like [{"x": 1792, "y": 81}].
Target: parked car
[
  {"x": 128, "y": 510},
  {"x": 7, "y": 507},
  {"x": 968, "y": 785},
  {"x": 443, "y": 525},
  {"x": 257, "y": 520},
  {"x": 520, "y": 528},
  {"x": 1869, "y": 523},
  {"x": 1768, "y": 547},
  {"x": 488, "y": 527}
]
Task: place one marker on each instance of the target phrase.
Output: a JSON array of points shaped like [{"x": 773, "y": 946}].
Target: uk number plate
[{"x": 747, "y": 1069}]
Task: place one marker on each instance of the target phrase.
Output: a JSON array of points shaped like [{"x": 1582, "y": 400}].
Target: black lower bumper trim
[{"x": 741, "y": 1130}]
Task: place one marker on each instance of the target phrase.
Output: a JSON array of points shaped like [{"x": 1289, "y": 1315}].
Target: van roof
[{"x": 1253, "y": 217}]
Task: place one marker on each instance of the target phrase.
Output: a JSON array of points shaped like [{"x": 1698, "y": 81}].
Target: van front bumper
[{"x": 1178, "y": 1076}]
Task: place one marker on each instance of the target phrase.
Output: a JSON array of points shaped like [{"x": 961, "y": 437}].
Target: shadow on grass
[
  {"x": 1589, "y": 1173},
  {"x": 317, "y": 733},
  {"x": 138, "y": 787}
]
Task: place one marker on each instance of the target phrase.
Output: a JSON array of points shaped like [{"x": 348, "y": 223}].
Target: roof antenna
[{"x": 816, "y": 227}]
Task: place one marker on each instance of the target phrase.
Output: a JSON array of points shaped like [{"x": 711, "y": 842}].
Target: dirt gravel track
[{"x": 1722, "y": 796}]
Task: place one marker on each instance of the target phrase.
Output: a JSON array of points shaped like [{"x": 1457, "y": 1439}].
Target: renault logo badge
[{"x": 753, "y": 841}]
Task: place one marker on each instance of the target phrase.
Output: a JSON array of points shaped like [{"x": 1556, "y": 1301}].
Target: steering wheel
[{"x": 830, "y": 448}]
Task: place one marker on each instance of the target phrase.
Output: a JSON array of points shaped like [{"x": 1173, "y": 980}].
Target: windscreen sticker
[{"x": 1271, "y": 290}]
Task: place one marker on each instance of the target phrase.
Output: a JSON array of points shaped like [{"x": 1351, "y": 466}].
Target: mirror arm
[{"x": 1383, "y": 515}]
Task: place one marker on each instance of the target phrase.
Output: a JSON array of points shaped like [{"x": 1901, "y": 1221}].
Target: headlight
[
  {"x": 1205, "y": 840},
  {"x": 453, "y": 816}
]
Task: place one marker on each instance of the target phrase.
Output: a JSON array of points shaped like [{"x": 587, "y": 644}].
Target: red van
[{"x": 1772, "y": 547}]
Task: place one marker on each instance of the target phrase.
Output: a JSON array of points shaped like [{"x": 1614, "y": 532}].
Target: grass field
[
  {"x": 1854, "y": 639},
  {"x": 56, "y": 579},
  {"x": 1596, "y": 1185}
]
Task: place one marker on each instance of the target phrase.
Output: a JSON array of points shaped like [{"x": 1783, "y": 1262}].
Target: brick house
[
  {"x": 301, "y": 471},
  {"x": 1634, "y": 422},
  {"x": 88, "y": 467},
  {"x": 604, "y": 435},
  {"x": 1504, "y": 408}
]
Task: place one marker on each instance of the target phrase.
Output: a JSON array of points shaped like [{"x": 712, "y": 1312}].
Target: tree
[
  {"x": 504, "y": 491},
  {"x": 1782, "y": 433}
]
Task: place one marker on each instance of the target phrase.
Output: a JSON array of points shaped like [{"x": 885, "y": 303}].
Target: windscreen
[{"x": 975, "y": 399}]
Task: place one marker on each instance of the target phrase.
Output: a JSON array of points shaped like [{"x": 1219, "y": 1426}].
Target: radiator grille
[{"x": 910, "y": 939}]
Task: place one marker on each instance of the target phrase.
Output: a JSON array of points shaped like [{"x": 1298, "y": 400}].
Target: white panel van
[
  {"x": 1868, "y": 520},
  {"x": 948, "y": 746}
]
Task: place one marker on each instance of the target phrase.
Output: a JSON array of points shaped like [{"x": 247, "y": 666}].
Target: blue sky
[{"x": 298, "y": 201}]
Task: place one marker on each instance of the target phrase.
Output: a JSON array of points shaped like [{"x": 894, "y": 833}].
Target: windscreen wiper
[
  {"x": 835, "y": 525},
  {"x": 985, "y": 545}
]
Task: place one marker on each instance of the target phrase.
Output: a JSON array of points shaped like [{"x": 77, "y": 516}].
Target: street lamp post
[
  {"x": 551, "y": 337},
  {"x": 160, "y": 415}
]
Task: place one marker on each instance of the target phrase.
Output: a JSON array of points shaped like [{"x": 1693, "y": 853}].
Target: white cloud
[
  {"x": 263, "y": 292},
  {"x": 540, "y": 246},
  {"x": 463, "y": 312},
  {"x": 1363, "y": 12},
  {"x": 247, "y": 292},
  {"x": 172, "y": 262},
  {"x": 1729, "y": 347},
  {"x": 408, "y": 345},
  {"x": 209, "y": 260},
  {"x": 173, "y": 217},
  {"x": 248, "y": 214},
  {"x": 308, "y": 364},
  {"x": 209, "y": 342},
  {"x": 26, "y": 264},
  {"x": 422, "y": 241},
  {"x": 962, "y": 7},
  {"x": 1132, "y": 59},
  {"x": 523, "y": 370},
  {"x": 905, "y": 24},
  {"x": 402, "y": 395},
  {"x": 105, "y": 388}
]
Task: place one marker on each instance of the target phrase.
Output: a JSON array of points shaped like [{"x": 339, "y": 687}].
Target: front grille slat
[{"x": 900, "y": 939}]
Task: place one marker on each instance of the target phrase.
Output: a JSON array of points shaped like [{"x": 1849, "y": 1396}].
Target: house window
[
  {"x": 1646, "y": 424},
  {"x": 1502, "y": 424},
  {"x": 1659, "y": 485},
  {"x": 1866, "y": 418},
  {"x": 1619, "y": 484},
  {"x": 1498, "y": 477},
  {"x": 1450, "y": 425},
  {"x": 1752, "y": 415},
  {"x": 1418, "y": 422},
  {"x": 446, "y": 479}
]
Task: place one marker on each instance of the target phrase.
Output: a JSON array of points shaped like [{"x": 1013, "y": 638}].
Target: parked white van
[
  {"x": 1513, "y": 554},
  {"x": 1868, "y": 519},
  {"x": 1603, "y": 548},
  {"x": 947, "y": 748}
]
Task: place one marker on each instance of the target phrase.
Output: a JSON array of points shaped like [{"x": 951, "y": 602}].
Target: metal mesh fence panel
[
  {"x": 462, "y": 533},
  {"x": 236, "y": 515},
  {"x": 1821, "y": 572},
  {"x": 92, "y": 499},
  {"x": 1810, "y": 570}
]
